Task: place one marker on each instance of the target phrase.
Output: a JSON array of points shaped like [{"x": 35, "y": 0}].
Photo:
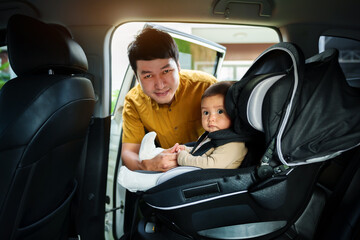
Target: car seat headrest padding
[{"x": 255, "y": 102}]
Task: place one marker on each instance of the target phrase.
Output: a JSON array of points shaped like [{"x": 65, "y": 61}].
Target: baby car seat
[{"x": 307, "y": 115}]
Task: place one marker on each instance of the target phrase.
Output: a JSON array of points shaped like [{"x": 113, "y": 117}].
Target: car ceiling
[
  {"x": 298, "y": 21},
  {"x": 113, "y": 12}
]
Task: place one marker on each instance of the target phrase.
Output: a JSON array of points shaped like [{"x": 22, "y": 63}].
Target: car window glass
[
  {"x": 6, "y": 72},
  {"x": 349, "y": 56}
]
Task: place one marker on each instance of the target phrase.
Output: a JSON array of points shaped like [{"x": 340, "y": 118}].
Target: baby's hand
[
  {"x": 180, "y": 148},
  {"x": 177, "y": 148}
]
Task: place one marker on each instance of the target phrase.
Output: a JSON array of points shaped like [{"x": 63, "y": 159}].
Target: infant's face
[{"x": 213, "y": 114}]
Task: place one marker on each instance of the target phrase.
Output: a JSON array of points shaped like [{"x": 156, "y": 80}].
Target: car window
[
  {"x": 196, "y": 53},
  {"x": 349, "y": 56},
  {"x": 6, "y": 72},
  {"x": 198, "y": 57}
]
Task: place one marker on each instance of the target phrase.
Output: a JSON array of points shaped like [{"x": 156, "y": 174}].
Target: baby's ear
[{"x": 148, "y": 150}]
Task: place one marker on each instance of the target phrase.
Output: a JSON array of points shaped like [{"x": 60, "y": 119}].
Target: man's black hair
[{"x": 150, "y": 44}]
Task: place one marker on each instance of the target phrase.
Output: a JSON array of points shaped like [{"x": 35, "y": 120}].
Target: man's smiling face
[{"x": 159, "y": 78}]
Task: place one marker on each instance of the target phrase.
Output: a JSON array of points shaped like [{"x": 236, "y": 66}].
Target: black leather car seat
[{"x": 44, "y": 116}]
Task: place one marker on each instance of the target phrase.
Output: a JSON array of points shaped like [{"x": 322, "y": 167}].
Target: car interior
[{"x": 64, "y": 74}]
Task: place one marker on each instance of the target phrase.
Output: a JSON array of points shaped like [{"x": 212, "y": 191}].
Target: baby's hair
[{"x": 219, "y": 88}]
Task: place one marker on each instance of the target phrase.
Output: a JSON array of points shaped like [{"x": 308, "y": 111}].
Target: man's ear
[{"x": 178, "y": 65}]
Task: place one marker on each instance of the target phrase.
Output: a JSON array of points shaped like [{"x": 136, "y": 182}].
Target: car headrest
[{"x": 37, "y": 47}]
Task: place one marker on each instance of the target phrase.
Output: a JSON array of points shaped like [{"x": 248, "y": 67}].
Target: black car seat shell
[
  {"x": 252, "y": 202},
  {"x": 44, "y": 117}
]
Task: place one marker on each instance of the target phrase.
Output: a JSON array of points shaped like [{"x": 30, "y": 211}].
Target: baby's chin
[{"x": 213, "y": 130}]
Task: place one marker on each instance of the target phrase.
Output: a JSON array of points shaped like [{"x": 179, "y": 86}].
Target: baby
[{"x": 219, "y": 146}]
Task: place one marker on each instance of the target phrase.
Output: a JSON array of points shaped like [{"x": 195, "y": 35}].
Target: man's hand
[{"x": 163, "y": 162}]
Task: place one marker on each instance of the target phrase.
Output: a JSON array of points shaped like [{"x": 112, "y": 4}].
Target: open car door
[{"x": 194, "y": 53}]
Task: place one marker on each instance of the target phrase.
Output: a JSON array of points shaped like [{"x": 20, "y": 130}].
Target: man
[{"x": 166, "y": 101}]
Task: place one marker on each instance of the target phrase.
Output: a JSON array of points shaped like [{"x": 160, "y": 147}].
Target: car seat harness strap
[{"x": 217, "y": 138}]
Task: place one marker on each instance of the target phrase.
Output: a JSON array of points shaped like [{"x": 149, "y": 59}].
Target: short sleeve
[{"x": 133, "y": 128}]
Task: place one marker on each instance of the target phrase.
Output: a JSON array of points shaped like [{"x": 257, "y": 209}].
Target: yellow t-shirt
[{"x": 179, "y": 122}]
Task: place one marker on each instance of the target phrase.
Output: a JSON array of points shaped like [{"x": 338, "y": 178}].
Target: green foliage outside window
[
  {"x": 114, "y": 97},
  {"x": 2, "y": 83},
  {"x": 4, "y": 72},
  {"x": 183, "y": 46}
]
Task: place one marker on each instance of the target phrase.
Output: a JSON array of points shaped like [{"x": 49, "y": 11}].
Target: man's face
[{"x": 159, "y": 78}]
